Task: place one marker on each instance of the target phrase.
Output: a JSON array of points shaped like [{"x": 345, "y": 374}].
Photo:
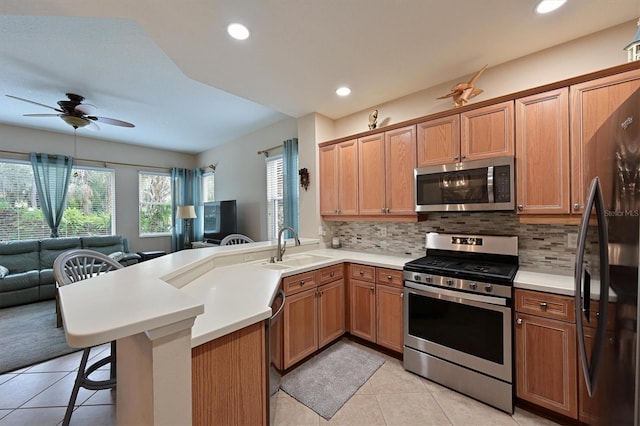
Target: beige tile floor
[{"x": 38, "y": 396}]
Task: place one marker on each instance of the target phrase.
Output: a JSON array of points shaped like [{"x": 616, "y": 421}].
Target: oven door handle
[{"x": 454, "y": 296}]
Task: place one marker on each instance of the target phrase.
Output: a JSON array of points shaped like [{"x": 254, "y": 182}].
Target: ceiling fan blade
[
  {"x": 41, "y": 115},
  {"x": 93, "y": 126},
  {"x": 35, "y": 103},
  {"x": 86, "y": 109},
  {"x": 111, "y": 121}
]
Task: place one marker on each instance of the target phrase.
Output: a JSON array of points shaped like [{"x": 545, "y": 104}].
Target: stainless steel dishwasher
[{"x": 273, "y": 335}]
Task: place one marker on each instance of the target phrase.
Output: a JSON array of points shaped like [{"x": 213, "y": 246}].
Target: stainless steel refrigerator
[{"x": 606, "y": 274}]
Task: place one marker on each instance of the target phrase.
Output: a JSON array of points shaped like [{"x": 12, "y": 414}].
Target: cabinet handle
[
  {"x": 464, "y": 156},
  {"x": 520, "y": 207},
  {"x": 331, "y": 273},
  {"x": 543, "y": 306},
  {"x": 383, "y": 210},
  {"x": 456, "y": 157},
  {"x": 361, "y": 272},
  {"x": 301, "y": 283},
  {"x": 576, "y": 206},
  {"x": 519, "y": 321},
  {"x": 401, "y": 295},
  {"x": 372, "y": 288},
  {"x": 320, "y": 293},
  {"x": 389, "y": 277}
]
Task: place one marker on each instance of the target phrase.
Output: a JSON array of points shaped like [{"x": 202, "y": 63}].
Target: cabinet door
[
  {"x": 389, "y": 311},
  {"x": 328, "y": 179},
  {"x": 363, "y": 309},
  {"x": 348, "y": 178},
  {"x": 487, "y": 132},
  {"x": 371, "y": 161},
  {"x": 542, "y": 144},
  {"x": 546, "y": 363},
  {"x": 300, "y": 318},
  {"x": 330, "y": 312},
  {"x": 438, "y": 141},
  {"x": 400, "y": 162},
  {"x": 600, "y": 145}
]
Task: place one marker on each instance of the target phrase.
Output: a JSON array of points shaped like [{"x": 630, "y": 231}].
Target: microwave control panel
[{"x": 501, "y": 184}]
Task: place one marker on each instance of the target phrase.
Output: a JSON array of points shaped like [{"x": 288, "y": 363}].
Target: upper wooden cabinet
[
  {"x": 386, "y": 162},
  {"x": 542, "y": 147},
  {"x": 472, "y": 135},
  {"x": 599, "y": 144},
  {"x": 339, "y": 179}
]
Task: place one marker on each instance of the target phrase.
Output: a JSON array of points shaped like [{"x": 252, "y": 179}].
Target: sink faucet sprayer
[{"x": 283, "y": 247}]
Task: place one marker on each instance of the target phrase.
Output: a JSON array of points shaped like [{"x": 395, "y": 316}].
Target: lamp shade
[{"x": 186, "y": 212}]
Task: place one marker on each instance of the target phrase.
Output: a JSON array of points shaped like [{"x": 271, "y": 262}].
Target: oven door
[{"x": 470, "y": 330}]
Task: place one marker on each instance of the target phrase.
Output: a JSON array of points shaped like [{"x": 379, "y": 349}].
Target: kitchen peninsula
[{"x": 159, "y": 310}]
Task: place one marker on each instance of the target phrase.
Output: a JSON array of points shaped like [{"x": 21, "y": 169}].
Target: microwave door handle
[{"x": 490, "y": 184}]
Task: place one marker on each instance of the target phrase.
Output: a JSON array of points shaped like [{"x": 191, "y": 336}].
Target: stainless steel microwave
[{"x": 468, "y": 186}]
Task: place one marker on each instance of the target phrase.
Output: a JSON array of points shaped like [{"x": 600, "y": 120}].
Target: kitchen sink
[
  {"x": 295, "y": 261},
  {"x": 303, "y": 259}
]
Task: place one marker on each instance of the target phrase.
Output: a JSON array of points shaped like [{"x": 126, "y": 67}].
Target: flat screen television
[{"x": 219, "y": 220}]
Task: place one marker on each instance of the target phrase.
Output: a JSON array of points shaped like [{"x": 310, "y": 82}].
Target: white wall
[
  {"x": 241, "y": 174},
  {"x": 125, "y": 159},
  {"x": 594, "y": 52}
]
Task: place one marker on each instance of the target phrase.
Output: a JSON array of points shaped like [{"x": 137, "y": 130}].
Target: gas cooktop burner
[{"x": 455, "y": 267}]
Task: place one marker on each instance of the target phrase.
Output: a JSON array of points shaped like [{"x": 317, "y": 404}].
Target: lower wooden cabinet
[
  {"x": 376, "y": 306},
  {"x": 313, "y": 314},
  {"x": 228, "y": 379},
  {"x": 545, "y": 353}
]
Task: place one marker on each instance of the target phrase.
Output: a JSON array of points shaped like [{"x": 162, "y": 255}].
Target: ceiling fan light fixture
[
  {"x": 546, "y": 6},
  {"x": 74, "y": 121}
]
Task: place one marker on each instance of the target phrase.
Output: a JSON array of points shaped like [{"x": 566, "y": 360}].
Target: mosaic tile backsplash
[{"x": 541, "y": 247}]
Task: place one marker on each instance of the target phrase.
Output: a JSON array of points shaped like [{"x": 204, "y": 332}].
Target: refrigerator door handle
[
  {"x": 582, "y": 288},
  {"x": 586, "y": 302}
]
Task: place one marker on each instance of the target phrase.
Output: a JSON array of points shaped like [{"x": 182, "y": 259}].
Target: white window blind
[
  {"x": 208, "y": 187},
  {"x": 154, "y": 195},
  {"x": 90, "y": 203},
  {"x": 275, "y": 193}
]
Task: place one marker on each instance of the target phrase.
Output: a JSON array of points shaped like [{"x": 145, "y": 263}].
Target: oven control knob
[
  {"x": 473, "y": 286},
  {"x": 417, "y": 277},
  {"x": 449, "y": 282},
  {"x": 488, "y": 288},
  {"x": 428, "y": 278}
]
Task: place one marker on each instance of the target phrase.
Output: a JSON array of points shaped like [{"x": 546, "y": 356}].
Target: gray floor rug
[
  {"x": 327, "y": 381},
  {"x": 28, "y": 335}
]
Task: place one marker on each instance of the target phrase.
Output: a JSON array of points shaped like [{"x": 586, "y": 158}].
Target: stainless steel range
[{"x": 457, "y": 316}]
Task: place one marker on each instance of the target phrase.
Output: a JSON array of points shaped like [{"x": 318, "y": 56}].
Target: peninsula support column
[{"x": 154, "y": 376}]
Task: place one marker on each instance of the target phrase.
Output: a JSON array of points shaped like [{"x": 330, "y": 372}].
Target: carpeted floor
[
  {"x": 327, "y": 381},
  {"x": 28, "y": 335}
]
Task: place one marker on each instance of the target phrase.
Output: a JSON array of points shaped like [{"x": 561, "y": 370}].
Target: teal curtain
[
  {"x": 198, "y": 222},
  {"x": 290, "y": 181},
  {"x": 186, "y": 189},
  {"x": 179, "y": 194},
  {"x": 52, "y": 174}
]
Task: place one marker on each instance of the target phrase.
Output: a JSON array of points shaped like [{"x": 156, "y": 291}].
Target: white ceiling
[{"x": 170, "y": 68}]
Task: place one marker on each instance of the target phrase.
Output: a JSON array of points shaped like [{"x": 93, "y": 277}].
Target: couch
[{"x": 26, "y": 267}]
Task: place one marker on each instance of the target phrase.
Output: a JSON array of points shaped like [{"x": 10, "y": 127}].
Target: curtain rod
[
  {"x": 105, "y": 163},
  {"x": 266, "y": 151}
]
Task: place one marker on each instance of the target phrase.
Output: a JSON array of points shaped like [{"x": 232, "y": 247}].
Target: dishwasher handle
[{"x": 279, "y": 311}]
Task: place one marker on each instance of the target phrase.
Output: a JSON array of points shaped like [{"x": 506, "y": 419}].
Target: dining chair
[{"x": 235, "y": 239}]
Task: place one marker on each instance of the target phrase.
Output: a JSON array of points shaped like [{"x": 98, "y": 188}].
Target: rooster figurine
[{"x": 462, "y": 92}]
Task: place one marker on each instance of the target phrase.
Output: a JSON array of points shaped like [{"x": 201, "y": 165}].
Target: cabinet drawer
[
  {"x": 546, "y": 304},
  {"x": 594, "y": 305},
  {"x": 363, "y": 272},
  {"x": 297, "y": 283},
  {"x": 330, "y": 273},
  {"x": 390, "y": 277}
]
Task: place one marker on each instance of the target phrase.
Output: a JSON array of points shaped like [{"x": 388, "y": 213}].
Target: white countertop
[
  {"x": 557, "y": 284},
  {"x": 225, "y": 286}
]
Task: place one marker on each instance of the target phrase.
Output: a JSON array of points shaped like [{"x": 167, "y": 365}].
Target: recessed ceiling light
[
  {"x": 238, "y": 31},
  {"x": 343, "y": 91},
  {"x": 546, "y": 6}
]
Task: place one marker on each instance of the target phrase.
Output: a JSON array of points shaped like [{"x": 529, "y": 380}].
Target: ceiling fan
[{"x": 75, "y": 113}]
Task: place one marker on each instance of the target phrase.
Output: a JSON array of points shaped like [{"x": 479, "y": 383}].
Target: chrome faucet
[{"x": 283, "y": 247}]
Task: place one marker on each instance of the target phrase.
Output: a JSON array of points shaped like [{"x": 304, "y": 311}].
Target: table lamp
[{"x": 187, "y": 213}]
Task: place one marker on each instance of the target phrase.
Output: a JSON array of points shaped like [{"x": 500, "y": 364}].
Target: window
[
  {"x": 275, "y": 192},
  {"x": 208, "y": 189},
  {"x": 90, "y": 203},
  {"x": 155, "y": 203}
]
